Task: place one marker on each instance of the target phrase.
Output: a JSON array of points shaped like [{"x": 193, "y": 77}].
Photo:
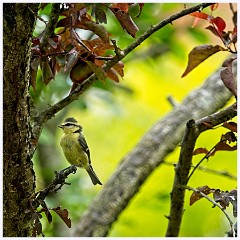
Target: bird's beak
[{"x": 60, "y": 126}]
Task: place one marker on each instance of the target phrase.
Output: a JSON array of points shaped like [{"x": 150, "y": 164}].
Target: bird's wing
[{"x": 84, "y": 145}]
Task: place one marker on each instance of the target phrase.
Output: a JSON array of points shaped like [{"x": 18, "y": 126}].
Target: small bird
[{"x": 75, "y": 147}]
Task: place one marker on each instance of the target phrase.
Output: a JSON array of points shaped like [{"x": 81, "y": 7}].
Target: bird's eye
[{"x": 68, "y": 124}]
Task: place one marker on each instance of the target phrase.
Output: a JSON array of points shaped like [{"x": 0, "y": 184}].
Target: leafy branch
[
  {"x": 39, "y": 200},
  {"x": 222, "y": 208},
  {"x": 182, "y": 169},
  {"x": 221, "y": 145},
  {"x": 39, "y": 120}
]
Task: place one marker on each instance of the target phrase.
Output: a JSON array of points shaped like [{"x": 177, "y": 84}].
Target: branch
[
  {"x": 48, "y": 113},
  {"x": 181, "y": 177},
  {"x": 222, "y": 173},
  {"x": 54, "y": 186},
  {"x": 215, "y": 204},
  {"x": 52, "y": 23},
  {"x": 163, "y": 23},
  {"x": 149, "y": 153},
  {"x": 183, "y": 167}
]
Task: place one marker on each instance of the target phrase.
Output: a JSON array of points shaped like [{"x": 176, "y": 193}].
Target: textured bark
[
  {"x": 149, "y": 153},
  {"x": 18, "y": 174}
]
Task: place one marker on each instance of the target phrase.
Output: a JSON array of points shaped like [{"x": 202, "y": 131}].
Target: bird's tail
[{"x": 93, "y": 176}]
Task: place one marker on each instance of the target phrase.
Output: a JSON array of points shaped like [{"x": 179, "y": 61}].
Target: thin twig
[
  {"x": 79, "y": 40},
  {"x": 215, "y": 204},
  {"x": 222, "y": 173},
  {"x": 56, "y": 184},
  {"x": 172, "y": 101},
  {"x": 205, "y": 157}
]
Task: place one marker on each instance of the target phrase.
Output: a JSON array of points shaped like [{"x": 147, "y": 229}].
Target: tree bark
[
  {"x": 149, "y": 153},
  {"x": 18, "y": 174}
]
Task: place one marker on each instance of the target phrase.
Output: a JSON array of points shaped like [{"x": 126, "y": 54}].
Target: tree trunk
[{"x": 18, "y": 174}]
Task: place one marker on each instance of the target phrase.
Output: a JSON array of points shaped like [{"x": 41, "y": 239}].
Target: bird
[{"x": 75, "y": 147}]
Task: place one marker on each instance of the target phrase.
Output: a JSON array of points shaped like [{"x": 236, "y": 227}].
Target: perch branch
[{"x": 54, "y": 186}]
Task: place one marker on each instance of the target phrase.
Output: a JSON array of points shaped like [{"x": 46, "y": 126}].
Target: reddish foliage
[{"x": 66, "y": 50}]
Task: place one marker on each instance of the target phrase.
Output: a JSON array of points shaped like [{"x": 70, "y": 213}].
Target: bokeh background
[{"x": 116, "y": 116}]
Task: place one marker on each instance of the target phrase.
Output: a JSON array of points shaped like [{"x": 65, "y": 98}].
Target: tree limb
[
  {"x": 149, "y": 153},
  {"x": 181, "y": 177}
]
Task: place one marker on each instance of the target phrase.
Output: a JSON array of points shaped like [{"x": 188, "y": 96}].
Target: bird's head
[{"x": 70, "y": 125}]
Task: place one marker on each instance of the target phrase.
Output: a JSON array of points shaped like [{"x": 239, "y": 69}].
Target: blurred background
[{"x": 116, "y": 116}]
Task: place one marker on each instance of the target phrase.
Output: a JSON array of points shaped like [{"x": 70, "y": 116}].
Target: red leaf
[
  {"x": 214, "y": 6},
  {"x": 200, "y": 151},
  {"x": 116, "y": 70},
  {"x": 222, "y": 146},
  {"x": 196, "y": 195},
  {"x": 200, "y": 15},
  {"x": 219, "y": 23},
  {"x": 118, "y": 67},
  {"x": 126, "y": 21},
  {"x": 213, "y": 30},
  {"x": 199, "y": 54},
  {"x": 112, "y": 74},
  {"x": 63, "y": 214},
  {"x": 232, "y": 126},
  {"x": 208, "y": 124},
  {"x": 229, "y": 136},
  {"x": 80, "y": 72},
  {"x": 121, "y": 6}
]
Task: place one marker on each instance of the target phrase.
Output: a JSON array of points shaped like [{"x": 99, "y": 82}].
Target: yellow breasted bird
[{"x": 75, "y": 147}]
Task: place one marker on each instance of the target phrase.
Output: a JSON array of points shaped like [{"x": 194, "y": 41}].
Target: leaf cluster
[
  {"x": 229, "y": 39},
  {"x": 219, "y": 196},
  {"x": 64, "y": 46}
]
